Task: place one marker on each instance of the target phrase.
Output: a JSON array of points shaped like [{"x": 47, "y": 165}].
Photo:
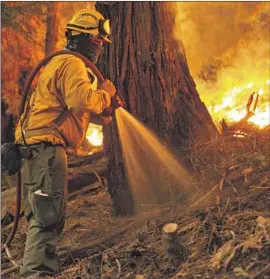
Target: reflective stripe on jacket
[{"x": 65, "y": 81}]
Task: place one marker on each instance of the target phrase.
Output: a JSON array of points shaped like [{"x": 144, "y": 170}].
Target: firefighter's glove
[
  {"x": 108, "y": 86},
  {"x": 106, "y": 99}
]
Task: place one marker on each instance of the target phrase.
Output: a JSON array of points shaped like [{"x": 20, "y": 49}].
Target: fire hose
[{"x": 115, "y": 103}]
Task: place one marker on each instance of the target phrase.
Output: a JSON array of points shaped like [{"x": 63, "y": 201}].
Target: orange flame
[
  {"x": 94, "y": 135},
  {"x": 233, "y": 105}
]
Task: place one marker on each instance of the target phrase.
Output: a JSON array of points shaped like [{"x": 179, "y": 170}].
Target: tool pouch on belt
[{"x": 11, "y": 159}]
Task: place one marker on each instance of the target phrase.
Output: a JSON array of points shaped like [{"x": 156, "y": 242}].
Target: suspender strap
[
  {"x": 38, "y": 132},
  {"x": 44, "y": 131}
]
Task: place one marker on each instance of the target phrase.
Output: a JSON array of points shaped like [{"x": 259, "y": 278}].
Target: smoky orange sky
[{"x": 227, "y": 46}]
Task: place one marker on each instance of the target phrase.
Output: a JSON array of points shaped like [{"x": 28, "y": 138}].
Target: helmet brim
[
  {"x": 93, "y": 32},
  {"x": 107, "y": 40}
]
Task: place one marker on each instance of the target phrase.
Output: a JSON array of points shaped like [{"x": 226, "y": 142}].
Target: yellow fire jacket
[{"x": 66, "y": 93}]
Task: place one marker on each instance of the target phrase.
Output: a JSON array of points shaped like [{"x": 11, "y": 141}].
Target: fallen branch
[
  {"x": 119, "y": 268},
  {"x": 228, "y": 179},
  {"x": 214, "y": 230},
  {"x": 189, "y": 226},
  {"x": 9, "y": 270},
  {"x": 205, "y": 196},
  {"x": 15, "y": 266},
  {"x": 250, "y": 213},
  {"x": 72, "y": 269},
  {"x": 220, "y": 186},
  {"x": 234, "y": 176},
  {"x": 264, "y": 271},
  {"x": 77, "y": 181},
  {"x": 232, "y": 255},
  {"x": 10, "y": 256},
  {"x": 259, "y": 188},
  {"x": 226, "y": 207},
  {"x": 91, "y": 188},
  {"x": 87, "y": 160}
]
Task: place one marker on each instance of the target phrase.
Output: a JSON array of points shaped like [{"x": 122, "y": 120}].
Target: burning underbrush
[
  {"x": 244, "y": 115},
  {"x": 249, "y": 101},
  {"x": 249, "y": 119}
]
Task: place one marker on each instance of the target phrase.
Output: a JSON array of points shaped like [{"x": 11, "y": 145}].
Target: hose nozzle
[{"x": 116, "y": 103}]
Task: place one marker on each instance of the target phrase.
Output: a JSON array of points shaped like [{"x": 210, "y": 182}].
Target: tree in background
[
  {"x": 150, "y": 71},
  {"x": 29, "y": 31},
  {"x": 53, "y": 22},
  {"x": 22, "y": 31}
]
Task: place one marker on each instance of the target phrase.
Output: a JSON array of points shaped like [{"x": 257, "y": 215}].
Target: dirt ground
[{"x": 225, "y": 232}]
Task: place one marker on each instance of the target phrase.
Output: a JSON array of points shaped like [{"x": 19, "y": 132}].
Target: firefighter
[{"x": 54, "y": 123}]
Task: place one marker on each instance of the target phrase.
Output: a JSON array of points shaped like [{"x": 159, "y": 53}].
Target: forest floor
[{"x": 226, "y": 232}]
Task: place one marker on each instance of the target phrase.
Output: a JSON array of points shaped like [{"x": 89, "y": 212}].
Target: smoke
[{"x": 226, "y": 43}]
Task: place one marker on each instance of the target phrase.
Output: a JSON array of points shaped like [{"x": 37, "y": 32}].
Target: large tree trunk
[
  {"x": 53, "y": 19},
  {"x": 150, "y": 71}
]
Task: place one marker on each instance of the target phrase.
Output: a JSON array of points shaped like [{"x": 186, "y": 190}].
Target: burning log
[
  {"x": 243, "y": 128},
  {"x": 86, "y": 171},
  {"x": 86, "y": 160},
  {"x": 91, "y": 188},
  {"x": 77, "y": 181},
  {"x": 250, "y": 108}
]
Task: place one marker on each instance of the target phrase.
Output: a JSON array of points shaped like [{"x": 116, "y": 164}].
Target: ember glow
[
  {"x": 261, "y": 118},
  {"x": 94, "y": 135}
]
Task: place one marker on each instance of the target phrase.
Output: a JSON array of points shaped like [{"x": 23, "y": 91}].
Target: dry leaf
[
  {"x": 262, "y": 231},
  {"x": 263, "y": 224},
  {"x": 253, "y": 242},
  {"x": 240, "y": 272},
  {"x": 222, "y": 253}
]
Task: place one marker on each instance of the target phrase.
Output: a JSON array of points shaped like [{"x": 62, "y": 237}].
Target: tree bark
[
  {"x": 151, "y": 74},
  {"x": 53, "y": 18}
]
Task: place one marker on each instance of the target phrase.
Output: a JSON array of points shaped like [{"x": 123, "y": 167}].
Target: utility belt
[{"x": 26, "y": 151}]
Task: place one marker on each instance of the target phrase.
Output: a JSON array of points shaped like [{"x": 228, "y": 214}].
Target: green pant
[{"x": 44, "y": 179}]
